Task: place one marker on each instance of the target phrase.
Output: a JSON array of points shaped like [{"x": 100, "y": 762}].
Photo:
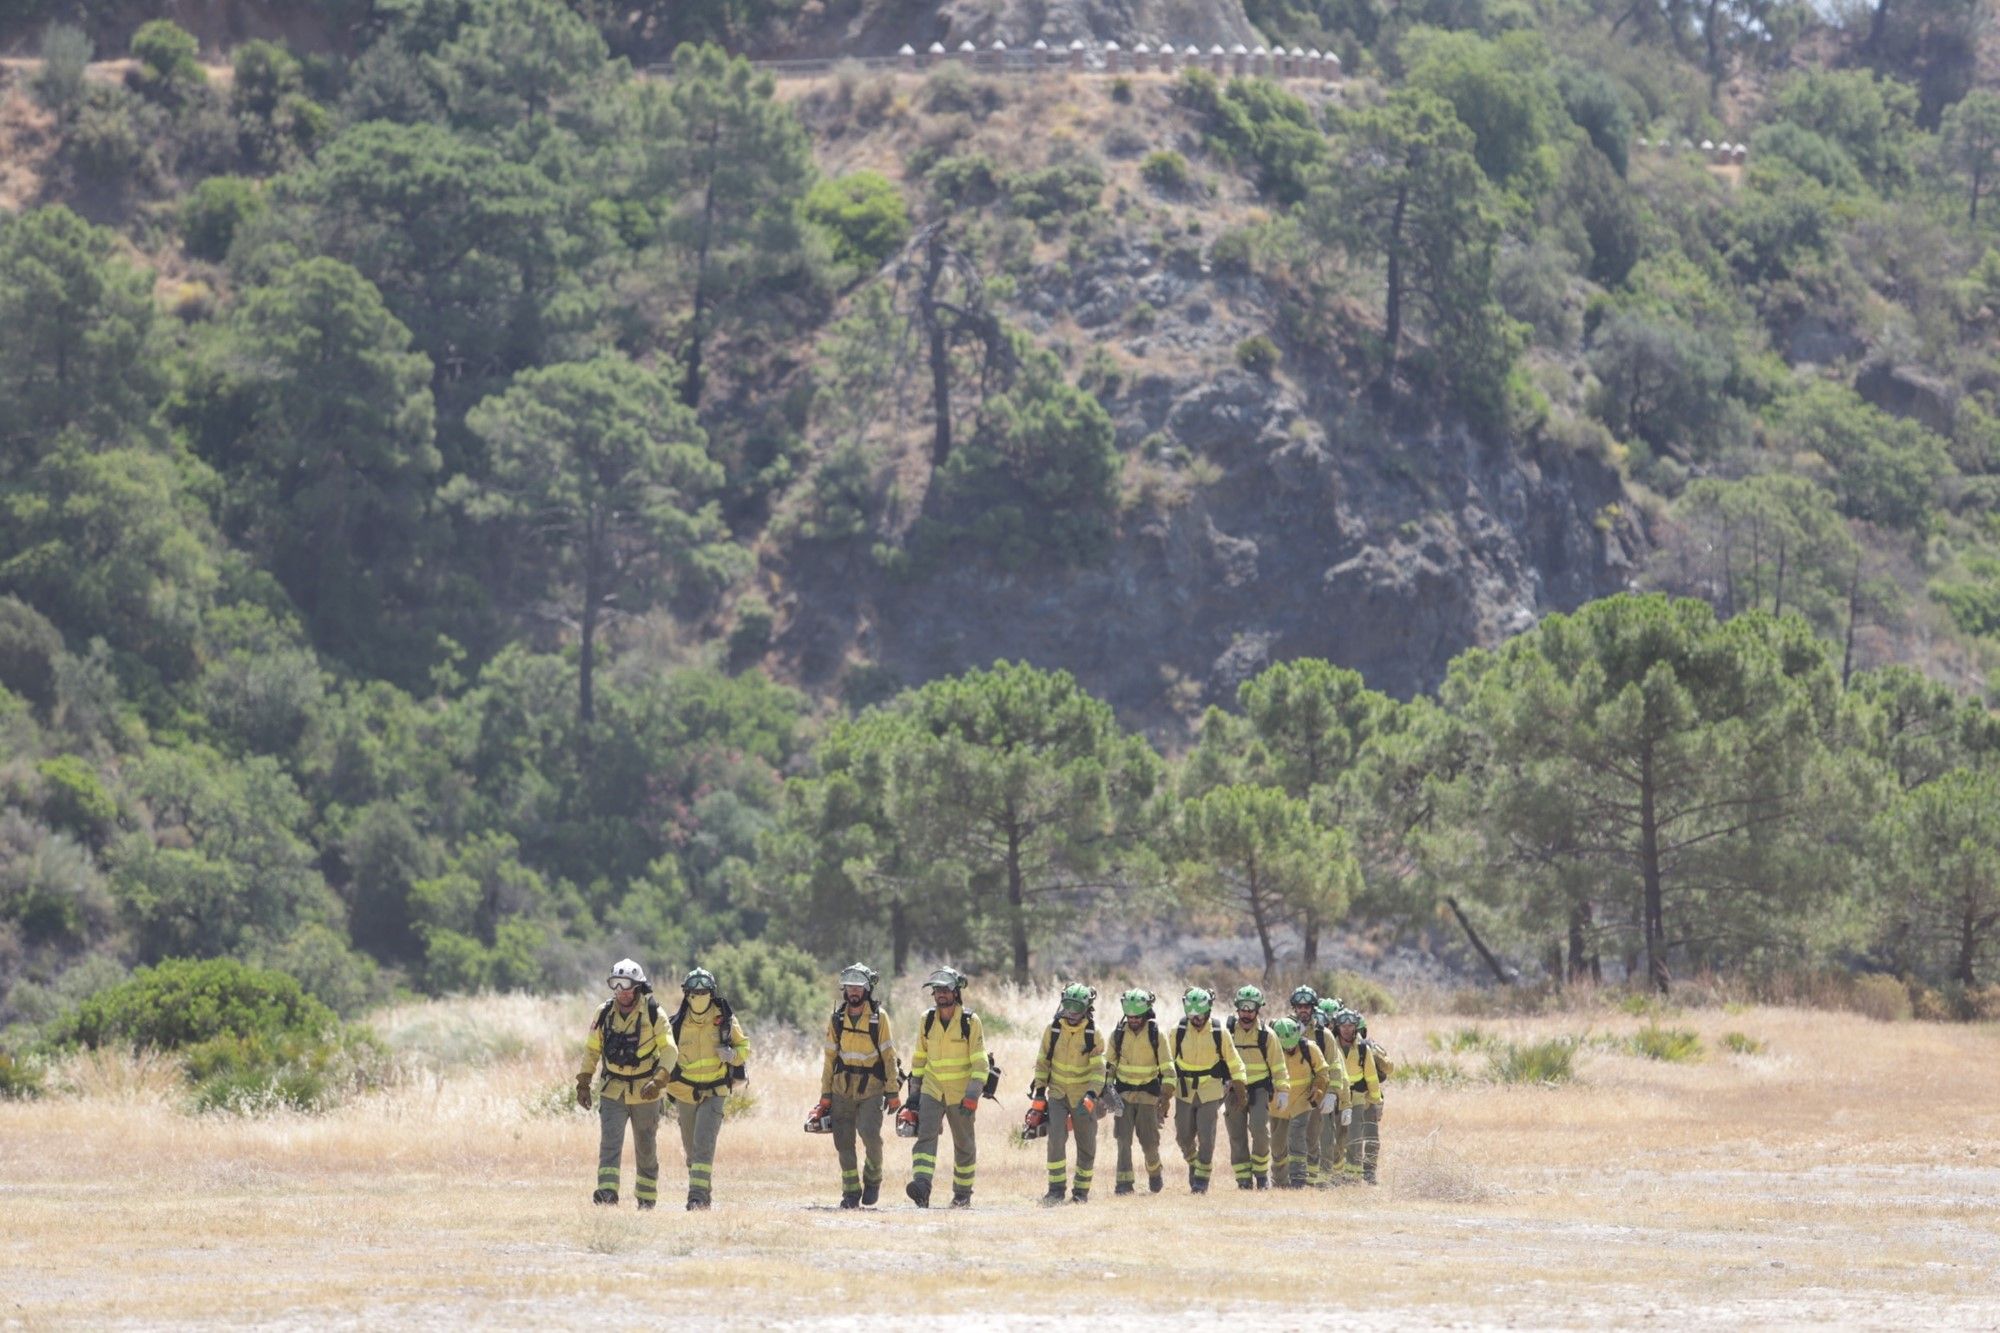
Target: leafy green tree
[
  {"x": 865, "y": 213},
  {"x": 214, "y": 211},
  {"x": 1940, "y": 876},
  {"x": 1260, "y": 125},
  {"x": 1018, "y": 796},
  {"x": 1601, "y": 108},
  {"x": 1771, "y": 543},
  {"x": 1502, "y": 92},
  {"x": 224, "y": 864},
  {"x": 489, "y": 922},
  {"x": 275, "y": 121},
  {"x": 512, "y": 61},
  {"x": 113, "y": 545},
  {"x": 595, "y": 464},
  {"x": 1917, "y": 729},
  {"x": 1262, "y": 854},
  {"x": 1868, "y": 117},
  {"x": 1884, "y": 469},
  {"x": 76, "y": 324},
  {"x": 1411, "y": 195},
  {"x": 1969, "y": 144},
  {"x": 1039, "y": 475},
  {"x": 169, "y": 62},
  {"x": 1670, "y": 761},
  {"x": 730, "y": 165},
  {"x": 1663, "y": 381}
]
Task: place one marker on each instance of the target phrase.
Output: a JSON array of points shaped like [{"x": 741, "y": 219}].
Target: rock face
[
  {"x": 1389, "y": 555},
  {"x": 879, "y": 28}
]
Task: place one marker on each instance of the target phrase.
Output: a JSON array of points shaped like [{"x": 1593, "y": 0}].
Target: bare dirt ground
[{"x": 1850, "y": 1172}]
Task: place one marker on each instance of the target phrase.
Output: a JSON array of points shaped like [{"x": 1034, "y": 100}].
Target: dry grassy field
[{"x": 1849, "y": 1171}]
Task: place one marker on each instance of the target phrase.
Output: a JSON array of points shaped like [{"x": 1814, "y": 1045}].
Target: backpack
[
  {"x": 1220, "y": 1069},
  {"x": 965, "y": 1034},
  {"x": 730, "y": 1073},
  {"x": 879, "y": 1069},
  {"x": 1263, "y": 1052}
]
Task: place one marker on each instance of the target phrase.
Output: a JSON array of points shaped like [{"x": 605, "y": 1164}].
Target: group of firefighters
[{"x": 1300, "y": 1095}]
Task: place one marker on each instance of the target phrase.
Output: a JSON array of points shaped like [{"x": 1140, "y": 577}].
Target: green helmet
[
  {"x": 699, "y": 980},
  {"x": 1077, "y": 998},
  {"x": 1304, "y": 995},
  {"x": 949, "y": 978},
  {"x": 1136, "y": 1003},
  {"x": 1249, "y": 997},
  {"x": 1197, "y": 1001},
  {"x": 1330, "y": 1006},
  {"x": 1287, "y": 1031}
]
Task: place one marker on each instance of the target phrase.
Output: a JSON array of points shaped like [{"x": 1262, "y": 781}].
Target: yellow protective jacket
[
  {"x": 713, "y": 1049},
  {"x": 1262, "y": 1058},
  {"x": 1070, "y": 1060},
  {"x": 860, "y": 1053},
  {"x": 1140, "y": 1063},
  {"x": 1308, "y": 1074},
  {"x": 950, "y": 1059},
  {"x": 1364, "y": 1080},
  {"x": 630, "y": 1047},
  {"x": 1205, "y": 1062}
]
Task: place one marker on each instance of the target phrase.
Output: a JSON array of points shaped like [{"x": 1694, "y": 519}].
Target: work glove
[
  {"x": 891, "y": 1103},
  {"x": 1380, "y": 1107},
  {"x": 1283, "y": 1100},
  {"x": 1166, "y": 1108},
  {"x": 822, "y": 1107},
  {"x": 1316, "y": 1099},
  {"x": 653, "y": 1087},
  {"x": 1346, "y": 1115},
  {"x": 1089, "y": 1104},
  {"x": 583, "y": 1082},
  {"x": 1239, "y": 1097},
  {"x": 969, "y": 1104}
]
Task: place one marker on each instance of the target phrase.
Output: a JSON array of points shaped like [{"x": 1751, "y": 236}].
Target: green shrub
[
  {"x": 1121, "y": 90},
  {"x": 19, "y": 1080},
  {"x": 30, "y": 647},
  {"x": 215, "y": 211},
  {"x": 74, "y": 799},
  {"x": 59, "y": 84},
  {"x": 169, "y": 60},
  {"x": 1438, "y": 1073},
  {"x": 1235, "y": 251},
  {"x": 1258, "y": 355},
  {"x": 970, "y": 179},
  {"x": 1355, "y": 991},
  {"x": 292, "y": 1071},
  {"x": 1463, "y": 1039},
  {"x": 864, "y": 213},
  {"x": 750, "y": 637},
  {"x": 183, "y": 1002},
  {"x": 1741, "y": 1043},
  {"x": 771, "y": 983},
  {"x": 1061, "y": 188},
  {"x": 1546, "y": 1062},
  {"x": 1166, "y": 170},
  {"x": 1673, "y": 1045}
]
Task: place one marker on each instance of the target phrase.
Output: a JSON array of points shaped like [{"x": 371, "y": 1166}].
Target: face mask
[{"x": 699, "y": 1002}]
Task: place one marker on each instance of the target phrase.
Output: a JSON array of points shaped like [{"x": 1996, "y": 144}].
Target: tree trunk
[
  {"x": 1392, "y": 315},
  {"x": 586, "y": 698},
  {"x": 1017, "y": 905},
  {"x": 1878, "y": 23},
  {"x": 1309, "y": 939},
  {"x": 1499, "y": 970},
  {"x": 1579, "y": 917},
  {"x": 940, "y": 349},
  {"x": 1649, "y": 869},
  {"x": 1968, "y": 943},
  {"x": 899, "y": 939},
  {"x": 1853, "y": 615},
  {"x": 1259, "y": 919},
  {"x": 691, "y": 384}
]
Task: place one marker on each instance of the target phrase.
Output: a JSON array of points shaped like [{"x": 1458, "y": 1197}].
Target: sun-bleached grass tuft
[{"x": 1430, "y": 1169}]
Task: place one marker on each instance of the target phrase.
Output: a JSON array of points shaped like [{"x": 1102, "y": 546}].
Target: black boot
[
  {"x": 604, "y": 1196},
  {"x": 919, "y": 1192},
  {"x": 697, "y": 1204},
  {"x": 851, "y": 1199},
  {"x": 1079, "y": 1196},
  {"x": 1122, "y": 1187},
  {"x": 645, "y": 1205},
  {"x": 1263, "y": 1182},
  {"x": 961, "y": 1198},
  {"x": 1156, "y": 1182},
  {"x": 871, "y": 1190},
  {"x": 1055, "y": 1195},
  {"x": 1246, "y": 1183}
]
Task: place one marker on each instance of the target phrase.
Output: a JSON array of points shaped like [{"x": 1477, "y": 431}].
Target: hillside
[{"x": 481, "y": 491}]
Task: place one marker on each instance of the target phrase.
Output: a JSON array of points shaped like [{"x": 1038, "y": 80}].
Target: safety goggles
[{"x": 622, "y": 984}]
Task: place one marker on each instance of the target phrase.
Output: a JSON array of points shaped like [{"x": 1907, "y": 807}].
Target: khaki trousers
[
  {"x": 1250, "y": 1137},
  {"x": 1194, "y": 1128},
  {"x": 860, "y": 1116},
  {"x": 644, "y": 1117},
  {"x": 932, "y": 1116},
  {"x": 701, "y": 1124},
  {"x": 1141, "y": 1119},
  {"x": 1065, "y": 1117}
]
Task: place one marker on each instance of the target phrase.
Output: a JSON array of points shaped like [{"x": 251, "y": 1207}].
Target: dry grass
[{"x": 1849, "y": 1171}]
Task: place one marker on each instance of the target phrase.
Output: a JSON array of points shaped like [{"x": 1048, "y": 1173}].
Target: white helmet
[{"x": 629, "y": 970}]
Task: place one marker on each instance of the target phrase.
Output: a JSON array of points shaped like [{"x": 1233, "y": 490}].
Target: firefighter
[
  {"x": 1360, "y": 1142},
  {"x": 1266, "y": 1088},
  {"x": 1207, "y": 1068},
  {"x": 713, "y": 1049},
  {"x": 859, "y": 1081},
  {"x": 950, "y": 1067},
  {"x": 635, "y": 1049},
  {"x": 1295, "y": 1120},
  {"x": 1070, "y": 1071},
  {"x": 1139, "y": 1063}
]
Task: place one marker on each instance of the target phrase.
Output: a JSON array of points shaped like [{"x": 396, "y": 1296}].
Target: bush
[
  {"x": 750, "y": 637},
  {"x": 183, "y": 1002},
  {"x": 1741, "y": 1043},
  {"x": 1165, "y": 170},
  {"x": 1439, "y": 1073},
  {"x": 29, "y": 648},
  {"x": 1545, "y": 1062},
  {"x": 214, "y": 211},
  {"x": 1061, "y": 188},
  {"x": 1464, "y": 1039},
  {"x": 1235, "y": 251},
  {"x": 74, "y": 799},
  {"x": 169, "y": 60},
  {"x": 294, "y": 1072},
  {"x": 19, "y": 1081},
  {"x": 771, "y": 983},
  {"x": 970, "y": 179},
  {"x": 1881, "y": 997},
  {"x": 1355, "y": 991},
  {"x": 864, "y": 213},
  {"x": 1673, "y": 1045},
  {"x": 59, "y": 84},
  {"x": 1258, "y": 355}
]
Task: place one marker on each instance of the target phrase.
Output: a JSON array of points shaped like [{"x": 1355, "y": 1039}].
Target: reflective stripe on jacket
[
  {"x": 1061, "y": 1064},
  {"x": 707, "y": 1054},
  {"x": 851, "y": 1057},
  {"x": 1306, "y": 1070},
  {"x": 950, "y": 1058},
  {"x": 1359, "y": 1062},
  {"x": 1136, "y": 1060},
  {"x": 655, "y": 1048},
  {"x": 1197, "y": 1053},
  {"x": 1252, "y": 1045}
]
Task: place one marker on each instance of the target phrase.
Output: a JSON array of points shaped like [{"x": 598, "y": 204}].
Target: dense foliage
[{"x": 402, "y": 448}]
